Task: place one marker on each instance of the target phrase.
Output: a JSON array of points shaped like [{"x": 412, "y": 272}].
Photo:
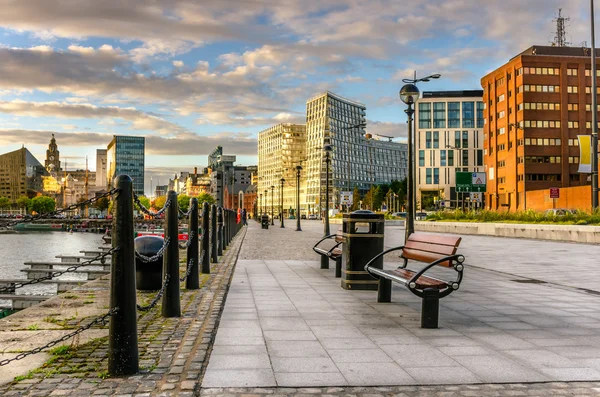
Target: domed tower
[{"x": 52, "y": 163}]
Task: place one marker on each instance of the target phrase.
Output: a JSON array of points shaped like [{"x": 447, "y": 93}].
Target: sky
[{"x": 190, "y": 75}]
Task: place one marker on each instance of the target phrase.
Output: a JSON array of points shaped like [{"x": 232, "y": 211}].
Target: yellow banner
[{"x": 585, "y": 154}]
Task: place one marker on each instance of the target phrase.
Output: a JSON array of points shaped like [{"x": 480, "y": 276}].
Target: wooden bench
[
  {"x": 433, "y": 250},
  {"x": 334, "y": 253}
]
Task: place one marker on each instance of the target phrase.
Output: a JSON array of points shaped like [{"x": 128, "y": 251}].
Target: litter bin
[
  {"x": 148, "y": 275},
  {"x": 264, "y": 221},
  {"x": 363, "y": 239}
]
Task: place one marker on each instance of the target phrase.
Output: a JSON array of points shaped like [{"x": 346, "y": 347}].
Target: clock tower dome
[{"x": 52, "y": 163}]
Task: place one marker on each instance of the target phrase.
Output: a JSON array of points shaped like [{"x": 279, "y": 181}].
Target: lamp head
[
  {"x": 409, "y": 94},
  {"x": 282, "y": 180},
  {"x": 298, "y": 168},
  {"x": 328, "y": 148}
]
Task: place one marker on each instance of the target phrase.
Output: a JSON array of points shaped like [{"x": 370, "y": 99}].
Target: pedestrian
[{"x": 244, "y": 217}]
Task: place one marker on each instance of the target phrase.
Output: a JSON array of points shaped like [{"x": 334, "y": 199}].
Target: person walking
[{"x": 244, "y": 217}]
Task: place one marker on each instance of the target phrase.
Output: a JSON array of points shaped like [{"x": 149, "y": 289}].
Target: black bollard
[
  {"x": 123, "y": 356},
  {"x": 430, "y": 308},
  {"x": 230, "y": 231},
  {"x": 220, "y": 231},
  {"x": 225, "y": 228},
  {"x": 213, "y": 232},
  {"x": 171, "y": 306},
  {"x": 205, "y": 239},
  {"x": 193, "y": 281}
]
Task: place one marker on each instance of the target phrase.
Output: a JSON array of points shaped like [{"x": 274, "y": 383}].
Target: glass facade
[
  {"x": 125, "y": 155},
  {"x": 439, "y": 115},
  {"x": 424, "y": 115},
  {"x": 468, "y": 115},
  {"x": 454, "y": 115}
]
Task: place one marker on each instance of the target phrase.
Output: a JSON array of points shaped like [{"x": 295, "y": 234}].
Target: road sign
[
  {"x": 346, "y": 198},
  {"x": 554, "y": 192},
  {"x": 470, "y": 182},
  {"x": 475, "y": 197}
]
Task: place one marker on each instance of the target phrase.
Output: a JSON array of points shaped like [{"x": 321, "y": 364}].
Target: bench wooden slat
[
  {"x": 423, "y": 256},
  {"x": 431, "y": 238},
  {"x": 422, "y": 282},
  {"x": 434, "y": 248}
]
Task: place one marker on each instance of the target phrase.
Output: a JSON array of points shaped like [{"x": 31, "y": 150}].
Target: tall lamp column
[
  {"x": 265, "y": 206},
  {"x": 272, "y": 212},
  {"x": 409, "y": 94},
  {"x": 298, "y": 169},
  {"x": 328, "y": 149},
  {"x": 281, "y": 200},
  {"x": 260, "y": 204}
]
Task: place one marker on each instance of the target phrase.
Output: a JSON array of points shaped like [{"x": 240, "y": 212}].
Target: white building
[
  {"x": 101, "y": 168},
  {"x": 448, "y": 138}
]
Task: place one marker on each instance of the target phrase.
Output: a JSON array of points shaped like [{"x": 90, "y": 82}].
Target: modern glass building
[
  {"x": 125, "y": 155},
  {"x": 449, "y": 138}
]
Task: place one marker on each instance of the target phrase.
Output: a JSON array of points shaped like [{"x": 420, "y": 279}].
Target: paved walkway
[{"x": 288, "y": 323}]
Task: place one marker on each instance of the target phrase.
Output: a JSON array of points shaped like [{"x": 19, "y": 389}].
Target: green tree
[
  {"x": 102, "y": 204},
  {"x": 184, "y": 202},
  {"x": 355, "y": 199},
  {"x": 24, "y": 202},
  {"x": 43, "y": 204},
  {"x": 159, "y": 202},
  {"x": 4, "y": 202},
  {"x": 205, "y": 197}
]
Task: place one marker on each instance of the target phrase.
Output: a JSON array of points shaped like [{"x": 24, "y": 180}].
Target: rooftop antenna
[{"x": 560, "y": 36}]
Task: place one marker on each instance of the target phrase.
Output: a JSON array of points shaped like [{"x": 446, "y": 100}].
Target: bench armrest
[
  {"x": 377, "y": 257},
  {"x": 457, "y": 259},
  {"x": 323, "y": 239}
]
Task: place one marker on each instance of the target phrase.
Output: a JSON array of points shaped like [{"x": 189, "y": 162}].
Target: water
[{"x": 15, "y": 249}]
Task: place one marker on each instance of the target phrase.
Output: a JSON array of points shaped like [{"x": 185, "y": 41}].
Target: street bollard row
[{"x": 219, "y": 226}]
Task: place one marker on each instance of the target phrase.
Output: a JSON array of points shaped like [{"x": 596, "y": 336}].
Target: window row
[
  {"x": 542, "y": 159},
  {"x": 540, "y": 123},
  {"x": 452, "y": 117},
  {"x": 538, "y": 88},
  {"x": 538, "y": 106},
  {"x": 544, "y": 71},
  {"x": 542, "y": 141}
]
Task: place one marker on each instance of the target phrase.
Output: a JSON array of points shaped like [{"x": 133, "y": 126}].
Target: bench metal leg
[
  {"x": 384, "y": 291},
  {"x": 324, "y": 262},
  {"x": 430, "y": 308},
  {"x": 338, "y": 267}
]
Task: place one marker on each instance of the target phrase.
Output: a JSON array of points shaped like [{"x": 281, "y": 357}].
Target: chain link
[
  {"x": 72, "y": 207},
  {"x": 98, "y": 320},
  {"x": 190, "y": 263},
  {"x": 188, "y": 242},
  {"x": 146, "y": 211},
  {"x": 157, "y": 297},
  {"x": 60, "y": 272},
  {"x": 184, "y": 214},
  {"x": 155, "y": 257}
]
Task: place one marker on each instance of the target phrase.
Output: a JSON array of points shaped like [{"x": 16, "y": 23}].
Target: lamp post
[
  {"x": 260, "y": 204},
  {"x": 298, "y": 169},
  {"x": 281, "y": 200},
  {"x": 594, "y": 117},
  {"x": 328, "y": 149},
  {"x": 409, "y": 94},
  {"x": 265, "y": 207},
  {"x": 272, "y": 213}
]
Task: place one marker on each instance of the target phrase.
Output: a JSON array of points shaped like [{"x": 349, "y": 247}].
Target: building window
[
  {"x": 442, "y": 158},
  {"x": 480, "y": 118},
  {"x": 424, "y": 115},
  {"x": 468, "y": 115},
  {"x": 501, "y": 131},
  {"x": 573, "y": 107},
  {"x": 479, "y": 158},
  {"x": 541, "y": 88},
  {"x": 573, "y": 160},
  {"x": 427, "y": 139},
  {"x": 465, "y": 139},
  {"x": 457, "y": 139},
  {"x": 571, "y": 72},
  {"x": 519, "y": 107},
  {"x": 501, "y": 164},
  {"x": 500, "y": 98},
  {"x": 501, "y": 147},
  {"x": 439, "y": 115},
  {"x": 500, "y": 114},
  {"x": 573, "y": 142},
  {"x": 572, "y": 89},
  {"x": 453, "y": 114},
  {"x": 544, "y": 177},
  {"x": 436, "y": 139},
  {"x": 436, "y": 176},
  {"x": 428, "y": 176},
  {"x": 421, "y": 158},
  {"x": 465, "y": 158},
  {"x": 573, "y": 124},
  {"x": 500, "y": 82},
  {"x": 451, "y": 158},
  {"x": 542, "y": 159},
  {"x": 519, "y": 71}
]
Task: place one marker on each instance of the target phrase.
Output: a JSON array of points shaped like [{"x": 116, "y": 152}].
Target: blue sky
[{"x": 190, "y": 75}]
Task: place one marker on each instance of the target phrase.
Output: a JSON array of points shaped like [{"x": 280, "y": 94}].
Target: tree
[
  {"x": 355, "y": 199},
  {"x": 145, "y": 202},
  {"x": 184, "y": 202},
  {"x": 205, "y": 197},
  {"x": 102, "y": 204},
  {"x": 42, "y": 204},
  {"x": 4, "y": 202},
  {"x": 159, "y": 202},
  {"x": 24, "y": 202}
]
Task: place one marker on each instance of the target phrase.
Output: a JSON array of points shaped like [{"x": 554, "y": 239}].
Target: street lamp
[
  {"x": 272, "y": 213},
  {"x": 594, "y": 117},
  {"x": 409, "y": 94},
  {"x": 265, "y": 207},
  {"x": 281, "y": 200},
  {"x": 328, "y": 149},
  {"x": 260, "y": 203},
  {"x": 298, "y": 169}
]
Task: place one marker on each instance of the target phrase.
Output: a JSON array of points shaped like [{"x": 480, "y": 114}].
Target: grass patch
[
  {"x": 59, "y": 350},
  {"x": 528, "y": 216},
  {"x": 33, "y": 327}
]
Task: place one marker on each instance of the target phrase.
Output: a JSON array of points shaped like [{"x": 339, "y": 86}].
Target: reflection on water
[{"x": 15, "y": 249}]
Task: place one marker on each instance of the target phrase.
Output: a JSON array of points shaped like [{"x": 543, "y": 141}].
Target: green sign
[{"x": 470, "y": 182}]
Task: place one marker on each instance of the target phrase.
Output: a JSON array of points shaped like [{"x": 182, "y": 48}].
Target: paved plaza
[{"x": 526, "y": 312}]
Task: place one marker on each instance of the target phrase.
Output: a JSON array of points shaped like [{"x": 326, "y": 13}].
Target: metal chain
[
  {"x": 188, "y": 242},
  {"x": 190, "y": 263},
  {"x": 98, "y": 320},
  {"x": 147, "y": 259},
  {"x": 60, "y": 272},
  {"x": 72, "y": 207},
  {"x": 146, "y": 211},
  {"x": 157, "y": 297},
  {"x": 189, "y": 211}
]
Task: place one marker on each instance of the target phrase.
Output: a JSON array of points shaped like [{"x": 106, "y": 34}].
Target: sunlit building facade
[
  {"x": 125, "y": 155},
  {"x": 21, "y": 174}
]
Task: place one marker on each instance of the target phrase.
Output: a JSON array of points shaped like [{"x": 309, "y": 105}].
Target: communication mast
[{"x": 560, "y": 36}]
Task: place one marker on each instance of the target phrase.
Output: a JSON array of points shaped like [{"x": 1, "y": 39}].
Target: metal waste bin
[
  {"x": 148, "y": 275},
  {"x": 264, "y": 221},
  {"x": 363, "y": 235}
]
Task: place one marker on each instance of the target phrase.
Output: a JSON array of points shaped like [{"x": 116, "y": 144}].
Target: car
[
  {"x": 312, "y": 216},
  {"x": 303, "y": 217},
  {"x": 420, "y": 216},
  {"x": 559, "y": 212},
  {"x": 400, "y": 214}
]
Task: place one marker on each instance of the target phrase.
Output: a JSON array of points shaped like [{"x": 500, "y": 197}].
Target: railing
[{"x": 219, "y": 226}]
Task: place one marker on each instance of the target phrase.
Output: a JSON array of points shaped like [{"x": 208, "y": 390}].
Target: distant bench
[
  {"x": 433, "y": 250},
  {"x": 334, "y": 253}
]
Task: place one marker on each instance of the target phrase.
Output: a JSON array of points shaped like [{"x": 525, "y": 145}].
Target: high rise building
[
  {"x": 21, "y": 174},
  {"x": 536, "y": 105},
  {"x": 52, "y": 162},
  {"x": 101, "y": 180},
  {"x": 125, "y": 155},
  {"x": 222, "y": 173},
  {"x": 448, "y": 138},
  {"x": 280, "y": 149},
  {"x": 357, "y": 160}
]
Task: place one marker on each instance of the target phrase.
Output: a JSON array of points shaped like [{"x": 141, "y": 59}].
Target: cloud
[
  {"x": 385, "y": 129},
  {"x": 140, "y": 120}
]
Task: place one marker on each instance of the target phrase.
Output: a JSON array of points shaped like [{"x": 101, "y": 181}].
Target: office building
[
  {"x": 21, "y": 174},
  {"x": 448, "y": 138},
  {"x": 125, "y": 155},
  {"x": 101, "y": 168},
  {"x": 358, "y": 159},
  {"x": 222, "y": 173},
  {"x": 281, "y": 149},
  {"x": 536, "y": 105}
]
